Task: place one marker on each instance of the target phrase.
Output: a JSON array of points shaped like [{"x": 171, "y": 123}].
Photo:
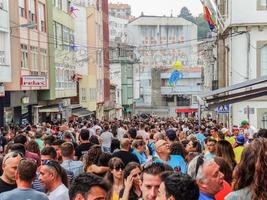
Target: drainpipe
[{"x": 248, "y": 53}]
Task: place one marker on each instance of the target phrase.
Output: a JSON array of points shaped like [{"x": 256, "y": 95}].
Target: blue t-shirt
[
  {"x": 141, "y": 157},
  {"x": 23, "y": 194},
  {"x": 204, "y": 196},
  {"x": 177, "y": 162},
  {"x": 201, "y": 138}
]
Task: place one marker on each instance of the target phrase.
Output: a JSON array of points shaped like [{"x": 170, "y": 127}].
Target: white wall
[
  {"x": 245, "y": 11},
  {"x": 5, "y": 69},
  {"x": 115, "y": 78},
  {"x": 80, "y": 35}
]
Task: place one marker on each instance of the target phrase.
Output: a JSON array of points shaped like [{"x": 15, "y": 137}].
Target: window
[
  {"x": 22, "y": 8},
  {"x": 34, "y": 58},
  {"x": 65, "y": 5},
  {"x": 263, "y": 61},
  {"x": 43, "y": 59},
  {"x": 262, "y": 5},
  {"x": 41, "y": 23},
  {"x": 58, "y": 4},
  {"x": 2, "y": 49},
  {"x": 71, "y": 41},
  {"x": 83, "y": 95},
  {"x": 24, "y": 56},
  {"x": 55, "y": 33},
  {"x": 32, "y": 10},
  {"x": 2, "y": 4},
  {"x": 66, "y": 38},
  {"x": 92, "y": 92},
  {"x": 59, "y": 35}
]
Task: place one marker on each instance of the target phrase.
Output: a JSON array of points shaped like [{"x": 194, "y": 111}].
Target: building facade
[
  {"x": 244, "y": 55},
  {"x": 29, "y": 60},
  {"x": 56, "y": 102},
  {"x": 120, "y": 10},
  {"x": 5, "y": 60},
  {"x": 160, "y": 42}
]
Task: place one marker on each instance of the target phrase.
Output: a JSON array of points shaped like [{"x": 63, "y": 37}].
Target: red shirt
[{"x": 224, "y": 192}]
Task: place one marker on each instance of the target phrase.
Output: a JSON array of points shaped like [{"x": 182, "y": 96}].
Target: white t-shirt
[
  {"x": 121, "y": 133},
  {"x": 60, "y": 193},
  {"x": 106, "y": 138}
]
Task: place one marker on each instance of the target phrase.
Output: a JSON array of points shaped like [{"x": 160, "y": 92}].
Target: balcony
[
  {"x": 181, "y": 89},
  {"x": 185, "y": 75}
]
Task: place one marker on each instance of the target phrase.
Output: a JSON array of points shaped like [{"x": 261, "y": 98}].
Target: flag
[{"x": 208, "y": 18}]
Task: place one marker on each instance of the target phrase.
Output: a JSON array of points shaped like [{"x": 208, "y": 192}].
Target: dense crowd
[{"x": 140, "y": 158}]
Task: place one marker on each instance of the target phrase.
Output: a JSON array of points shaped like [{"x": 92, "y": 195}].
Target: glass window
[
  {"x": 22, "y": 8},
  {"x": 263, "y": 3},
  {"x": 34, "y": 58},
  {"x": 59, "y": 35},
  {"x": 43, "y": 59},
  {"x": 32, "y": 10},
  {"x": 41, "y": 24},
  {"x": 83, "y": 94},
  {"x": 24, "y": 56},
  {"x": 65, "y": 6},
  {"x": 264, "y": 61},
  {"x": 2, "y": 49},
  {"x": 66, "y": 38}
]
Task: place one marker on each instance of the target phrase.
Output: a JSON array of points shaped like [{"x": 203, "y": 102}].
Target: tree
[
  {"x": 203, "y": 30},
  {"x": 186, "y": 14}
]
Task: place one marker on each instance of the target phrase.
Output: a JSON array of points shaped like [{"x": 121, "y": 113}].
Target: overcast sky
[{"x": 161, "y": 7}]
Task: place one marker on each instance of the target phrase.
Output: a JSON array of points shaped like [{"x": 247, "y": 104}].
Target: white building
[
  {"x": 117, "y": 29},
  {"x": 245, "y": 53},
  {"x": 160, "y": 42},
  {"x": 5, "y": 68}
]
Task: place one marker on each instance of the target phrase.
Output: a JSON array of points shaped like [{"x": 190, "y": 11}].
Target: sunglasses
[
  {"x": 200, "y": 162},
  {"x": 118, "y": 168},
  {"x": 12, "y": 155},
  {"x": 54, "y": 164}
]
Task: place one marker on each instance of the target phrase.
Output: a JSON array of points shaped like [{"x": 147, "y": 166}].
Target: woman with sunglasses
[
  {"x": 132, "y": 180},
  {"x": 115, "y": 177}
]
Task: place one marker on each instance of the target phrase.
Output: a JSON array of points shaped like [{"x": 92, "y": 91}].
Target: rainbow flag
[{"x": 209, "y": 18}]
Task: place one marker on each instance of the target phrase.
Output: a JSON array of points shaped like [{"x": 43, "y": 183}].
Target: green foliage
[{"x": 203, "y": 30}]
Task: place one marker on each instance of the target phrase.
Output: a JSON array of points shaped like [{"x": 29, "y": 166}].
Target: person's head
[
  {"x": 48, "y": 153},
  {"x": 162, "y": 147},
  {"x": 116, "y": 168},
  {"x": 240, "y": 140},
  {"x": 92, "y": 156},
  {"x": 26, "y": 171},
  {"x": 235, "y": 130},
  {"x": 115, "y": 144},
  {"x": 211, "y": 145},
  {"x": 56, "y": 144},
  {"x": 88, "y": 186},
  {"x": 33, "y": 146},
  {"x": 139, "y": 145},
  {"x": 84, "y": 135},
  {"x": 193, "y": 146},
  {"x": 178, "y": 186},
  {"x": 21, "y": 139},
  {"x": 262, "y": 133},
  {"x": 9, "y": 166},
  {"x": 244, "y": 124},
  {"x": 251, "y": 171},
  {"x": 48, "y": 140},
  {"x": 225, "y": 168},
  {"x": 134, "y": 169},
  {"x": 177, "y": 149},
  {"x": 125, "y": 144},
  {"x": 51, "y": 174},
  {"x": 150, "y": 178},
  {"x": 158, "y": 136},
  {"x": 94, "y": 139},
  {"x": 67, "y": 150},
  {"x": 225, "y": 150},
  {"x": 207, "y": 174},
  {"x": 18, "y": 147},
  {"x": 214, "y": 132},
  {"x": 171, "y": 135}
]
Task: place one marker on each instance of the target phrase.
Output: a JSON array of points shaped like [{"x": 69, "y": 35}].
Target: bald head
[
  {"x": 125, "y": 143},
  {"x": 159, "y": 144}
]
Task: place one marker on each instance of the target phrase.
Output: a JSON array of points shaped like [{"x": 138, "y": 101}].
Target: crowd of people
[{"x": 139, "y": 158}]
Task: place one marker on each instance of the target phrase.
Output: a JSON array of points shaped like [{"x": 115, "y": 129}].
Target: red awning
[{"x": 186, "y": 110}]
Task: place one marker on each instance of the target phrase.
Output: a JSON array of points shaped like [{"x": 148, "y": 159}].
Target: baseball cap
[
  {"x": 244, "y": 122},
  {"x": 170, "y": 133},
  {"x": 240, "y": 139}
]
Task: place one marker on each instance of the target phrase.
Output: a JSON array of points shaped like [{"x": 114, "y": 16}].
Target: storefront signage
[
  {"x": 2, "y": 91},
  {"x": 29, "y": 81},
  {"x": 25, "y": 100}
]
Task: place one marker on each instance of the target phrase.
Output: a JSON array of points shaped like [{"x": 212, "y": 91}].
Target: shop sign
[
  {"x": 37, "y": 81},
  {"x": 2, "y": 91},
  {"x": 25, "y": 100}
]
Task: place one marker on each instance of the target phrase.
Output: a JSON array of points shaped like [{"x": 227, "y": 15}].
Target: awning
[
  {"x": 81, "y": 112},
  {"x": 185, "y": 110},
  {"x": 236, "y": 93},
  {"x": 49, "y": 109}
]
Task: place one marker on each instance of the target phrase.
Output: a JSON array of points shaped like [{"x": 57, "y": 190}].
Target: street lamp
[{"x": 30, "y": 25}]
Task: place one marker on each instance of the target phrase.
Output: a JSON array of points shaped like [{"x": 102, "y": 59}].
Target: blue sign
[{"x": 223, "y": 109}]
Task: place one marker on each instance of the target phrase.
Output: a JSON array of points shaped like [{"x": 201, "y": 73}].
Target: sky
[{"x": 162, "y": 7}]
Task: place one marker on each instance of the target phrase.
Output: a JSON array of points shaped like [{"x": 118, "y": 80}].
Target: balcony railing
[{"x": 181, "y": 89}]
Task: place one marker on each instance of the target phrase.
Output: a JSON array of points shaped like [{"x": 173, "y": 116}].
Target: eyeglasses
[
  {"x": 13, "y": 154},
  {"x": 200, "y": 161}
]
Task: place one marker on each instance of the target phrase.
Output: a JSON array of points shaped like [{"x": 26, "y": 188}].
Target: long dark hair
[
  {"x": 113, "y": 164},
  {"x": 92, "y": 156},
  {"x": 251, "y": 171},
  {"x": 225, "y": 150}
]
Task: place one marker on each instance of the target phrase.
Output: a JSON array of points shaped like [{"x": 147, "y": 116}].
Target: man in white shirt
[
  {"x": 54, "y": 179},
  {"x": 106, "y": 137}
]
